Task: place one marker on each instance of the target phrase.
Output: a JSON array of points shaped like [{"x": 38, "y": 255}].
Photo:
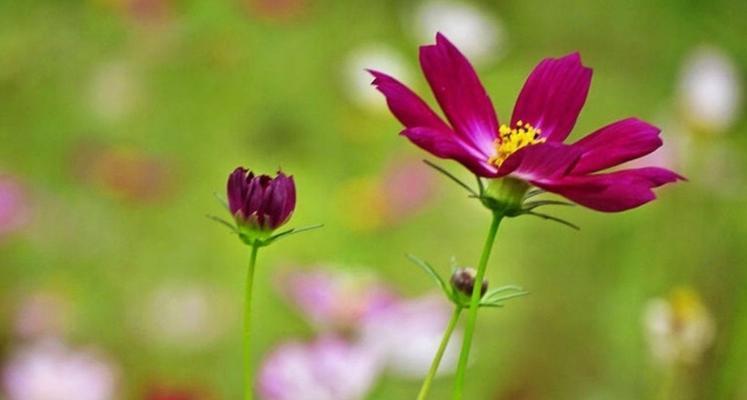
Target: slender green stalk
[
  {"x": 439, "y": 354},
  {"x": 469, "y": 329},
  {"x": 668, "y": 385},
  {"x": 248, "y": 374}
]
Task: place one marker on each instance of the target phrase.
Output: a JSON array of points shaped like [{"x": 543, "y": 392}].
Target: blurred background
[{"x": 120, "y": 120}]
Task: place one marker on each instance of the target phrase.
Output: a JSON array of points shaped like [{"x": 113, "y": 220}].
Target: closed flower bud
[
  {"x": 260, "y": 204},
  {"x": 463, "y": 281},
  {"x": 505, "y": 195}
]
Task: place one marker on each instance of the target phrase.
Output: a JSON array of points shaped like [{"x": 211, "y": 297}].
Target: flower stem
[
  {"x": 668, "y": 384},
  {"x": 248, "y": 374},
  {"x": 439, "y": 354},
  {"x": 469, "y": 329}
]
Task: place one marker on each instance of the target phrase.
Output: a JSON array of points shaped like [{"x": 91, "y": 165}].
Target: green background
[{"x": 221, "y": 86}]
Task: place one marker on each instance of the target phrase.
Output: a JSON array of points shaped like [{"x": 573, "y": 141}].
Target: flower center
[{"x": 513, "y": 139}]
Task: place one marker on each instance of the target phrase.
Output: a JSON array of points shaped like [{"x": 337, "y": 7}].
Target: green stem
[
  {"x": 668, "y": 384},
  {"x": 439, "y": 354},
  {"x": 248, "y": 374},
  {"x": 469, "y": 329}
]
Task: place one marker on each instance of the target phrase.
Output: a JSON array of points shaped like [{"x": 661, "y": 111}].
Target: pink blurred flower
[
  {"x": 402, "y": 334},
  {"x": 15, "y": 211},
  {"x": 407, "y": 335},
  {"x": 41, "y": 314},
  {"x": 372, "y": 202},
  {"x": 407, "y": 187},
  {"x": 336, "y": 300},
  {"x": 51, "y": 371},
  {"x": 326, "y": 369}
]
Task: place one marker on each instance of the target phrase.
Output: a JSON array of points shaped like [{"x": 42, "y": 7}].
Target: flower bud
[
  {"x": 260, "y": 204},
  {"x": 505, "y": 195},
  {"x": 463, "y": 281}
]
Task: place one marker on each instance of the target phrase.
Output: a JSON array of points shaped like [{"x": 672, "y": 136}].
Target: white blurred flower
[
  {"x": 710, "y": 90},
  {"x": 408, "y": 335},
  {"x": 327, "y": 369},
  {"x": 114, "y": 91},
  {"x": 679, "y": 329},
  {"x": 51, "y": 371},
  {"x": 357, "y": 80},
  {"x": 184, "y": 316},
  {"x": 15, "y": 211},
  {"x": 474, "y": 31}
]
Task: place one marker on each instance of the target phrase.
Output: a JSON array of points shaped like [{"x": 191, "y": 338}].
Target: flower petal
[
  {"x": 541, "y": 162},
  {"x": 614, "y": 191},
  {"x": 426, "y": 129},
  {"x": 280, "y": 200},
  {"x": 236, "y": 189},
  {"x": 615, "y": 144},
  {"x": 553, "y": 96},
  {"x": 460, "y": 94},
  {"x": 409, "y": 109},
  {"x": 448, "y": 145}
]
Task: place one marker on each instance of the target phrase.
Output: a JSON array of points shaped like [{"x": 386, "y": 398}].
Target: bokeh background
[{"x": 120, "y": 119}]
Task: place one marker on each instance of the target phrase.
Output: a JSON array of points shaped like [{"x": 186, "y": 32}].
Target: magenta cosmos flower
[
  {"x": 530, "y": 148},
  {"x": 259, "y": 202}
]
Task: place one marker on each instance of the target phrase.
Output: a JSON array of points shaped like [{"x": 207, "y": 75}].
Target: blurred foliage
[{"x": 202, "y": 86}]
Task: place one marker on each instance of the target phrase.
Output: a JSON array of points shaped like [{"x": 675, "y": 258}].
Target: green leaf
[
  {"x": 497, "y": 291},
  {"x": 222, "y": 221},
  {"x": 532, "y": 193},
  {"x": 432, "y": 272},
  {"x": 493, "y": 305},
  {"x": 497, "y": 300},
  {"x": 289, "y": 232},
  {"x": 480, "y": 185},
  {"x": 531, "y": 205},
  {"x": 221, "y": 200},
  {"x": 554, "y": 219},
  {"x": 452, "y": 177}
]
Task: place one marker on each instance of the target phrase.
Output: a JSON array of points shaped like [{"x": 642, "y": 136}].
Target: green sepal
[
  {"x": 260, "y": 238},
  {"x": 289, "y": 232},
  {"x": 225, "y": 223}
]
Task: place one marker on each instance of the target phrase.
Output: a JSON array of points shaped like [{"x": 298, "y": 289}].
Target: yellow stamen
[{"x": 511, "y": 140}]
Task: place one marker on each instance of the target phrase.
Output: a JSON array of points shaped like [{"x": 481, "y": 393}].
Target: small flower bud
[
  {"x": 259, "y": 203},
  {"x": 505, "y": 195},
  {"x": 463, "y": 280}
]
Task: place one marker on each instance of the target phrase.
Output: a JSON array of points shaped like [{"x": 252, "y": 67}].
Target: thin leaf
[
  {"x": 531, "y": 205},
  {"x": 492, "y": 305},
  {"x": 555, "y": 219},
  {"x": 221, "y": 201},
  {"x": 452, "y": 177},
  {"x": 222, "y": 221},
  {"x": 532, "y": 193},
  {"x": 497, "y": 301},
  {"x": 292, "y": 231},
  {"x": 432, "y": 272},
  {"x": 480, "y": 185},
  {"x": 497, "y": 291}
]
